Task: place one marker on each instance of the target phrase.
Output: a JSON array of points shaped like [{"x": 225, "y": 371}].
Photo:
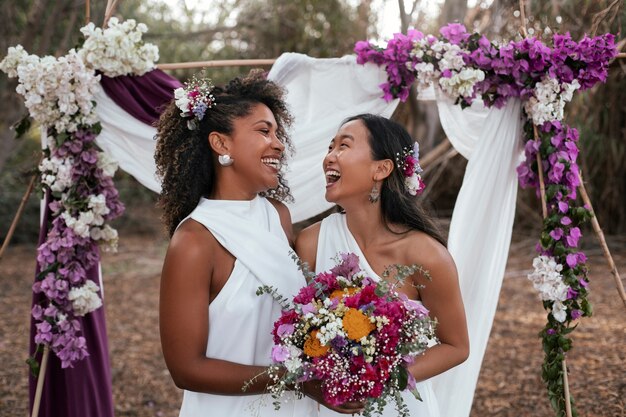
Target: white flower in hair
[{"x": 408, "y": 163}]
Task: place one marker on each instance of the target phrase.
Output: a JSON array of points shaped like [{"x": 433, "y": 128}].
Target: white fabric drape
[
  {"x": 127, "y": 140},
  {"x": 323, "y": 92},
  {"x": 480, "y": 231}
]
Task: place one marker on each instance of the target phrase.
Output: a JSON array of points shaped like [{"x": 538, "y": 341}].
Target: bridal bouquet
[{"x": 355, "y": 334}]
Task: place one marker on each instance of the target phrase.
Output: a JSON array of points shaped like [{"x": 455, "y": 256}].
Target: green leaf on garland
[
  {"x": 33, "y": 365},
  {"x": 586, "y": 307}
]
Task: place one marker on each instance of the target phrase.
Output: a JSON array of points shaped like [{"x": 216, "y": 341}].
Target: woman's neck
[
  {"x": 366, "y": 224},
  {"x": 229, "y": 187}
]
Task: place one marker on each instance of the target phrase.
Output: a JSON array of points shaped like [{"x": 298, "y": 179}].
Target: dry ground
[{"x": 509, "y": 385}]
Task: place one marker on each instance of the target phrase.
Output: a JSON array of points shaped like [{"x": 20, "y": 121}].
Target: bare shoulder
[
  {"x": 306, "y": 244},
  {"x": 423, "y": 249},
  {"x": 191, "y": 242},
  {"x": 285, "y": 218}
]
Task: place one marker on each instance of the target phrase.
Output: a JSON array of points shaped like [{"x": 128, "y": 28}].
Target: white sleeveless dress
[
  {"x": 240, "y": 322},
  {"x": 335, "y": 237}
]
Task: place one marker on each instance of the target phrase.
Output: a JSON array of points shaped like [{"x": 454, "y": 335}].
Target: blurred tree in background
[{"x": 246, "y": 29}]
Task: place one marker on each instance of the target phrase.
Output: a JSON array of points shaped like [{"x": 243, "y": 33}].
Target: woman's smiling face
[
  {"x": 348, "y": 165},
  {"x": 256, "y": 150}
]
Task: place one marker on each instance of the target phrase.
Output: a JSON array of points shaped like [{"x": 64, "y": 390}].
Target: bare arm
[
  {"x": 442, "y": 296},
  {"x": 192, "y": 261}
]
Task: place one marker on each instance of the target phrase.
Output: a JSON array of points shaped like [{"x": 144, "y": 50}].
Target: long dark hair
[
  {"x": 387, "y": 139},
  {"x": 184, "y": 160}
]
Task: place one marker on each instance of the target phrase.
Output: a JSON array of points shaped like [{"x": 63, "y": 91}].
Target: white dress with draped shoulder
[
  {"x": 240, "y": 322},
  {"x": 335, "y": 237}
]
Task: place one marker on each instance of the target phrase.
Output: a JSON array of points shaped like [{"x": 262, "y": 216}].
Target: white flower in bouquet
[
  {"x": 57, "y": 92},
  {"x": 549, "y": 98},
  {"x": 15, "y": 55},
  {"x": 548, "y": 281},
  {"x": 78, "y": 225},
  {"x": 452, "y": 58},
  {"x": 426, "y": 74},
  {"x": 118, "y": 49},
  {"x": 461, "y": 84},
  {"x": 559, "y": 311},
  {"x": 98, "y": 205},
  {"x": 106, "y": 236},
  {"x": 85, "y": 299},
  {"x": 107, "y": 164},
  {"x": 56, "y": 173}
]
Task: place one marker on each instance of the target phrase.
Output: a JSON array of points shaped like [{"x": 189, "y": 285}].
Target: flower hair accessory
[
  {"x": 194, "y": 99},
  {"x": 408, "y": 163}
]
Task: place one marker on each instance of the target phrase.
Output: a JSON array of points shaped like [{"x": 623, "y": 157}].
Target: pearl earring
[{"x": 225, "y": 160}]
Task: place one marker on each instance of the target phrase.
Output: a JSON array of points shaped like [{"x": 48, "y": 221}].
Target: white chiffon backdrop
[
  {"x": 323, "y": 92},
  {"x": 480, "y": 230}
]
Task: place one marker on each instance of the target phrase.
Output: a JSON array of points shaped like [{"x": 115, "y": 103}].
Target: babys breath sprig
[
  {"x": 194, "y": 99},
  {"x": 408, "y": 163}
]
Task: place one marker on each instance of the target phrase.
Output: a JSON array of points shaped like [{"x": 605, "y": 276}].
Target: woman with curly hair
[{"x": 220, "y": 153}]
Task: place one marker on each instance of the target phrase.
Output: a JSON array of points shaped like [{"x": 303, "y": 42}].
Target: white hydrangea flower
[
  {"x": 547, "y": 279},
  {"x": 107, "y": 164},
  {"x": 98, "y": 204},
  {"x": 549, "y": 98},
  {"x": 16, "y": 55},
  {"x": 461, "y": 83},
  {"x": 559, "y": 311},
  {"x": 118, "y": 49},
  {"x": 85, "y": 299},
  {"x": 58, "y": 92}
]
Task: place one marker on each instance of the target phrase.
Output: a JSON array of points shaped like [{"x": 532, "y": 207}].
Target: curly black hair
[{"x": 185, "y": 162}]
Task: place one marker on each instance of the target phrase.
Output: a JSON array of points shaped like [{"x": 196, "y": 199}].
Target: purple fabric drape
[
  {"x": 143, "y": 97},
  {"x": 85, "y": 389}
]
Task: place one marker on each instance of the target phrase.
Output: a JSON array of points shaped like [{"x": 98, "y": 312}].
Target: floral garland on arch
[
  {"x": 77, "y": 178},
  {"x": 467, "y": 67}
]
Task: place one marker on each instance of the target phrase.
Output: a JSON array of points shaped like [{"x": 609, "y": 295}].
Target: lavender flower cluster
[{"x": 80, "y": 200}]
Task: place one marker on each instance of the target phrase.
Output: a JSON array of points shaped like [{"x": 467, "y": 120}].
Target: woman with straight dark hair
[{"x": 372, "y": 173}]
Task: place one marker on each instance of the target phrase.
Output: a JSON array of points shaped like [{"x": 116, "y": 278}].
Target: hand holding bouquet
[{"x": 355, "y": 334}]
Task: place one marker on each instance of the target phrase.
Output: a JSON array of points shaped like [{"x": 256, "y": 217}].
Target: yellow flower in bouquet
[{"x": 357, "y": 324}]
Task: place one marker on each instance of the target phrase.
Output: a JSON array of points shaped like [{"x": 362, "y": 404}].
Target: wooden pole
[
  {"x": 600, "y": 235},
  {"x": 434, "y": 155},
  {"x": 40, "y": 380},
  {"x": 218, "y": 63},
  {"x": 18, "y": 214},
  {"x": 542, "y": 184},
  {"x": 111, "y": 5},
  {"x": 87, "y": 12}
]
